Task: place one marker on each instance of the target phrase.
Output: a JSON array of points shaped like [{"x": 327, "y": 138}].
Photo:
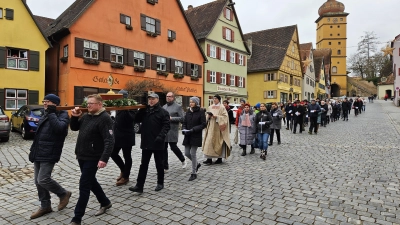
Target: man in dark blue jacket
[
  {"x": 155, "y": 126},
  {"x": 46, "y": 151},
  {"x": 289, "y": 111},
  {"x": 313, "y": 110}
]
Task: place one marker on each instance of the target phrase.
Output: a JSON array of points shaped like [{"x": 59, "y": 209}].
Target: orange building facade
[{"x": 132, "y": 40}]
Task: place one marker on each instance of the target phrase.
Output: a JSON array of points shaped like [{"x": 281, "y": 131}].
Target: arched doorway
[
  {"x": 389, "y": 93},
  {"x": 290, "y": 97},
  {"x": 335, "y": 90}
]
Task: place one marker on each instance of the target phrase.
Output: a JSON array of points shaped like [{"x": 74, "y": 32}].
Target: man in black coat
[
  {"x": 93, "y": 148},
  {"x": 124, "y": 135},
  {"x": 313, "y": 110},
  {"x": 345, "y": 109},
  {"x": 45, "y": 151},
  {"x": 289, "y": 112},
  {"x": 155, "y": 126},
  {"x": 297, "y": 115}
]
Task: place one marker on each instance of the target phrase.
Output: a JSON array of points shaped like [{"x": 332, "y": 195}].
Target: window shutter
[
  {"x": 274, "y": 92},
  {"x": 143, "y": 21},
  {"x": 34, "y": 60},
  {"x": 78, "y": 47},
  {"x": 172, "y": 66},
  {"x": 244, "y": 82},
  {"x": 3, "y": 52},
  {"x": 208, "y": 76},
  {"x": 208, "y": 49},
  {"x": 147, "y": 62},
  {"x": 10, "y": 14},
  {"x": 174, "y": 35},
  {"x": 224, "y": 32},
  {"x": 228, "y": 55},
  {"x": 218, "y": 53},
  {"x": 33, "y": 97},
  {"x": 101, "y": 51},
  {"x": 78, "y": 95},
  {"x": 237, "y": 58},
  {"x": 265, "y": 94},
  {"x": 218, "y": 79},
  {"x": 228, "y": 79},
  {"x": 2, "y": 98},
  {"x": 232, "y": 36},
  {"x": 125, "y": 56},
  {"x": 231, "y": 14},
  {"x": 225, "y": 12},
  {"x": 130, "y": 58},
  {"x": 153, "y": 62},
  {"x": 184, "y": 68},
  {"x": 168, "y": 64},
  {"x": 236, "y": 81},
  {"x": 265, "y": 77},
  {"x": 122, "y": 18},
  {"x": 200, "y": 71},
  {"x": 274, "y": 76},
  {"x": 158, "y": 26},
  {"x": 188, "y": 69},
  {"x": 107, "y": 53},
  {"x": 244, "y": 60}
]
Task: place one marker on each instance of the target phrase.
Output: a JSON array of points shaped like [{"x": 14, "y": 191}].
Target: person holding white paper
[
  {"x": 313, "y": 110},
  {"x": 263, "y": 122},
  {"x": 276, "y": 125}
]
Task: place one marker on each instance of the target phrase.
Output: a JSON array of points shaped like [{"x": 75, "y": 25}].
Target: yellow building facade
[
  {"x": 22, "y": 56},
  {"x": 274, "y": 68},
  {"x": 332, "y": 33}
]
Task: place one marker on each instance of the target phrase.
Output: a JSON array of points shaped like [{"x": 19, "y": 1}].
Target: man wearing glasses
[
  {"x": 176, "y": 116},
  {"x": 94, "y": 146},
  {"x": 46, "y": 151}
]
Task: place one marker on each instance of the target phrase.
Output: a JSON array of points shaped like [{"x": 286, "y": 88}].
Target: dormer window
[{"x": 228, "y": 13}]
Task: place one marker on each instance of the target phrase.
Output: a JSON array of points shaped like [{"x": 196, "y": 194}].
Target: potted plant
[
  {"x": 151, "y": 34},
  {"x": 128, "y": 27},
  {"x": 64, "y": 59},
  {"x": 162, "y": 73},
  {"x": 178, "y": 75},
  {"x": 194, "y": 78},
  {"x": 117, "y": 65},
  {"x": 139, "y": 69},
  {"x": 91, "y": 61}
]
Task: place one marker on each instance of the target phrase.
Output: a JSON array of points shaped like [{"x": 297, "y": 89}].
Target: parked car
[
  {"x": 4, "y": 126},
  {"x": 26, "y": 119},
  {"x": 234, "y": 108}
]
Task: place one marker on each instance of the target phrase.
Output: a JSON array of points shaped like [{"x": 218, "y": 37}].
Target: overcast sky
[{"x": 381, "y": 16}]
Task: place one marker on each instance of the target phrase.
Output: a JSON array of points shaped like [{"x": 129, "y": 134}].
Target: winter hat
[
  {"x": 258, "y": 105},
  {"x": 124, "y": 93},
  {"x": 242, "y": 100},
  {"x": 196, "y": 100},
  {"x": 218, "y": 97},
  {"x": 53, "y": 98}
]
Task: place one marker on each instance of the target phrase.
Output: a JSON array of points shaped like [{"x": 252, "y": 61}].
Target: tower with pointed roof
[{"x": 332, "y": 33}]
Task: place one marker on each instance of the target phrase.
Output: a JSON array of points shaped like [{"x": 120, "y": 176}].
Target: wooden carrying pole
[{"x": 107, "y": 108}]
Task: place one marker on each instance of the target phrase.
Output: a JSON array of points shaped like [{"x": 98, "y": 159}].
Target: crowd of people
[{"x": 100, "y": 137}]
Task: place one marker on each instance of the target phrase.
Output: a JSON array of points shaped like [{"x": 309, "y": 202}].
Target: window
[
  {"x": 90, "y": 49},
  {"x": 228, "y": 34},
  {"x": 228, "y": 14},
  {"x": 338, "y": 26},
  {"x": 281, "y": 77},
  {"x": 194, "y": 70},
  {"x": 161, "y": 63},
  {"x": 292, "y": 65},
  {"x": 233, "y": 80},
  {"x": 341, "y": 19},
  {"x": 293, "y": 48},
  {"x": 65, "y": 51},
  {"x": 171, "y": 35},
  {"x": 150, "y": 25},
  {"x": 213, "y": 77},
  {"x": 269, "y": 76},
  {"x": 241, "y": 59},
  {"x": 308, "y": 80},
  {"x": 233, "y": 54},
  {"x": 330, "y": 34},
  {"x": 329, "y": 43},
  {"x": 17, "y": 59},
  {"x": 339, "y": 52},
  {"x": 16, "y": 98},
  {"x": 124, "y": 19},
  {"x": 329, "y": 19},
  {"x": 117, "y": 54},
  {"x": 311, "y": 69},
  {"x": 1, "y": 13},
  {"x": 213, "y": 51},
  {"x": 338, "y": 34},
  {"x": 286, "y": 79},
  {"x": 179, "y": 67},
  {"x": 223, "y": 54},
  {"x": 334, "y": 69},
  {"x": 331, "y": 26},
  {"x": 138, "y": 59},
  {"x": 241, "y": 82},
  {"x": 339, "y": 43},
  {"x": 269, "y": 94},
  {"x": 223, "y": 78}
]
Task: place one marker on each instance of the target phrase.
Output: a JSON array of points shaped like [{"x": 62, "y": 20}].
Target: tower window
[
  {"x": 334, "y": 69},
  {"x": 338, "y": 34},
  {"x": 338, "y": 62},
  {"x": 331, "y": 34},
  {"x": 331, "y": 26},
  {"x": 338, "y": 26},
  {"x": 339, "y": 43},
  {"x": 329, "y": 19},
  {"x": 341, "y": 19},
  {"x": 329, "y": 43},
  {"x": 339, "y": 52}
]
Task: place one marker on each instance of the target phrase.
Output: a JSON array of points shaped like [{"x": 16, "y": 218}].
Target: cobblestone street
[{"x": 347, "y": 174}]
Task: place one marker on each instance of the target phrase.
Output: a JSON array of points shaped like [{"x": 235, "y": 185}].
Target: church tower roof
[{"x": 331, "y": 7}]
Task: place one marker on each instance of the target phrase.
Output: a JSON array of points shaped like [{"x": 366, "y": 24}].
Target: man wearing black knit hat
[{"x": 46, "y": 151}]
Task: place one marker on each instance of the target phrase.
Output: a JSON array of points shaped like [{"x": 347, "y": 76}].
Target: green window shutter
[
  {"x": 3, "y": 52},
  {"x": 34, "y": 60},
  {"x": 33, "y": 97},
  {"x": 10, "y": 14},
  {"x": 2, "y": 98}
]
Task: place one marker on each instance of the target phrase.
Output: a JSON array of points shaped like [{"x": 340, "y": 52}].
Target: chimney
[{"x": 190, "y": 7}]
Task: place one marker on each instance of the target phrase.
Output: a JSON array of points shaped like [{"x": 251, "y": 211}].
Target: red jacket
[{"x": 238, "y": 112}]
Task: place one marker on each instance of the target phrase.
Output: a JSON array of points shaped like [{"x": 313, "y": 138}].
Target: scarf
[
  {"x": 227, "y": 108},
  {"x": 246, "y": 122}
]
